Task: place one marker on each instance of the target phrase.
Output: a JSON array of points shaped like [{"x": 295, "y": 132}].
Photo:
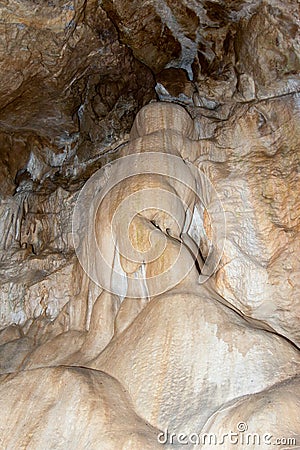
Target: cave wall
[{"x": 74, "y": 76}]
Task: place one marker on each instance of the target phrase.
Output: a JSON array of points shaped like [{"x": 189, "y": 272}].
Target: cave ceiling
[{"x": 75, "y": 73}]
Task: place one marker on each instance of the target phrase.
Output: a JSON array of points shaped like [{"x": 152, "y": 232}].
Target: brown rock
[{"x": 143, "y": 29}]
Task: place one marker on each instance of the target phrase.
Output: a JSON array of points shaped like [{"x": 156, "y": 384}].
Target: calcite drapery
[
  {"x": 158, "y": 346},
  {"x": 74, "y": 73}
]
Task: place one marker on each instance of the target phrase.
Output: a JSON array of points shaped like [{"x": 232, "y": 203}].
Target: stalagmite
[
  {"x": 149, "y": 225},
  {"x": 158, "y": 334}
]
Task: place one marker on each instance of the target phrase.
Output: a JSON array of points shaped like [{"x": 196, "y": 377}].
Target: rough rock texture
[
  {"x": 193, "y": 356},
  {"x": 69, "y": 89}
]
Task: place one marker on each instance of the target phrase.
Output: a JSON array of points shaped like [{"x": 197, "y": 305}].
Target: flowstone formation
[
  {"x": 150, "y": 337},
  {"x": 149, "y": 224}
]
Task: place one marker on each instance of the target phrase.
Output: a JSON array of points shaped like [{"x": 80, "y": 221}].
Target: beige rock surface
[
  {"x": 173, "y": 336},
  {"x": 247, "y": 360},
  {"x": 196, "y": 357},
  {"x": 66, "y": 408},
  {"x": 268, "y": 418}
]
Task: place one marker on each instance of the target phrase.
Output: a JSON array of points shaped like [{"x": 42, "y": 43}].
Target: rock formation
[{"x": 149, "y": 210}]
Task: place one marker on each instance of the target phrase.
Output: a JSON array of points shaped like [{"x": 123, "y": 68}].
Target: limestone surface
[{"x": 149, "y": 224}]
